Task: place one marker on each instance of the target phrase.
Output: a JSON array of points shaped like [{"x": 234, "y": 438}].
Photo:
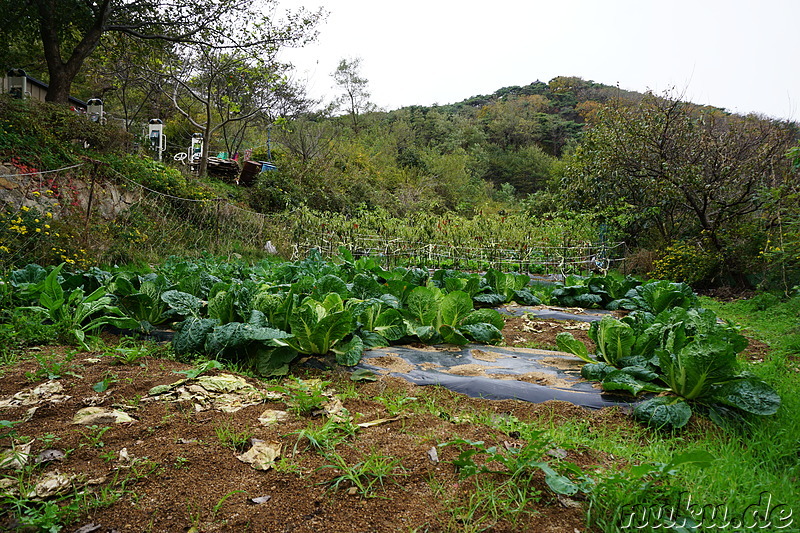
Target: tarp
[
  {"x": 554, "y": 313},
  {"x": 494, "y": 373}
]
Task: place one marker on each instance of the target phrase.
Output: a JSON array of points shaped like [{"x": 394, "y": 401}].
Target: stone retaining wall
[{"x": 108, "y": 199}]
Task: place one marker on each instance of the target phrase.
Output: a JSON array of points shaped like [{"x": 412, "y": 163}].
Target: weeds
[
  {"x": 221, "y": 502},
  {"x": 617, "y": 497},
  {"x": 52, "y": 367},
  {"x": 319, "y": 437},
  {"x": 366, "y": 476},
  {"x": 94, "y": 435},
  {"x": 7, "y": 429},
  {"x": 519, "y": 464},
  {"x": 48, "y": 438},
  {"x": 41, "y": 515},
  {"x": 103, "y": 385},
  {"x": 395, "y": 403},
  {"x": 289, "y": 466},
  {"x": 303, "y": 395},
  {"x": 129, "y": 353},
  {"x": 20, "y": 499},
  {"x": 108, "y": 456},
  {"x": 195, "y": 511},
  {"x": 230, "y": 437},
  {"x": 200, "y": 369},
  {"x": 480, "y": 505}
]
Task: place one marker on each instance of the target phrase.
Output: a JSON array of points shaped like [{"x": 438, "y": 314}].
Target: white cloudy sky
[{"x": 743, "y": 55}]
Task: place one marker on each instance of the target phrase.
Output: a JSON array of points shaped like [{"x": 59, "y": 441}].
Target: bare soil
[{"x": 173, "y": 473}]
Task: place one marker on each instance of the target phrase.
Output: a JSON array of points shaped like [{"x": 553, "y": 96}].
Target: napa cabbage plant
[
  {"x": 321, "y": 327},
  {"x": 378, "y": 320},
  {"x": 686, "y": 354},
  {"x": 139, "y": 296},
  {"x": 574, "y": 292},
  {"x": 503, "y": 287},
  {"x": 614, "y": 340},
  {"x": 697, "y": 362},
  {"x": 454, "y": 280},
  {"x": 435, "y": 317},
  {"x": 231, "y": 301},
  {"x": 611, "y": 288},
  {"x": 658, "y": 296}
]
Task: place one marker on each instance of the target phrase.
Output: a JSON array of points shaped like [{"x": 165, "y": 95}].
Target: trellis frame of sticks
[{"x": 545, "y": 259}]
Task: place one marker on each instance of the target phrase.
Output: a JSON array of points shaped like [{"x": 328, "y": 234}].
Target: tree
[
  {"x": 222, "y": 91},
  {"x": 355, "y": 99},
  {"x": 69, "y": 31},
  {"x": 512, "y": 123},
  {"x": 527, "y": 169},
  {"x": 680, "y": 169},
  {"x": 119, "y": 73},
  {"x": 307, "y": 138}
]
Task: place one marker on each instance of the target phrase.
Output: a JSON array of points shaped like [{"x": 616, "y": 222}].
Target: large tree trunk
[
  {"x": 60, "y": 82},
  {"x": 61, "y": 72}
]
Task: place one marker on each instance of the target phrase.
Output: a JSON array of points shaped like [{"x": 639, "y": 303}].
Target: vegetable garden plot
[
  {"x": 267, "y": 316},
  {"x": 511, "y": 243},
  {"x": 540, "y": 258},
  {"x": 494, "y": 373}
]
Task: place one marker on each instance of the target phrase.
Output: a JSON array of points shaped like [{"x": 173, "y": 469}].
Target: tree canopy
[
  {"x": 67, "y": 32},
  {"x": 674, "y": 170}
]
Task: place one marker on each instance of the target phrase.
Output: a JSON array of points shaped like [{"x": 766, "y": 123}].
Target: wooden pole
[{"x": 92, "y": 176}]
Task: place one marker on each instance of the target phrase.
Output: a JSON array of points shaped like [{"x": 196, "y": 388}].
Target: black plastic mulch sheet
[
  {"x": 554, "y": 313},
  {"x": 494, "y": 373}
]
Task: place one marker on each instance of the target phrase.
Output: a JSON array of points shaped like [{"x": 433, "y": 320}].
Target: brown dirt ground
[
  {"x": 179, "y": 477},
  {"x": 528, "y": 331}
]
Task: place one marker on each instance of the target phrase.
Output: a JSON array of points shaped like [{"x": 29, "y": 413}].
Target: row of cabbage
[
  {"x": 266, "y": 315},
  {"x": 678, "y": 355}
]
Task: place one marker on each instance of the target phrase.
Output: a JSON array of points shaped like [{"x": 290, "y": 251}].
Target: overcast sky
[{"x": 742, "y": 55}]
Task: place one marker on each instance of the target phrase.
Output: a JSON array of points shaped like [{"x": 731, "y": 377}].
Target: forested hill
[
  {"x": 550, "y": 115},
  {"x": 563, "y": 93},
  {"x": 502, "y": 146}
]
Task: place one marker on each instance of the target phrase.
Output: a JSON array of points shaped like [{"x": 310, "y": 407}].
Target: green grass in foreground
[
  {"x": 765, "y": 317},
  {"x": 757, "y": 464}
]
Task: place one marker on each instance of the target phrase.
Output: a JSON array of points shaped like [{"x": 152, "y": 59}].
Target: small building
[{"x": 20, "y": 85}]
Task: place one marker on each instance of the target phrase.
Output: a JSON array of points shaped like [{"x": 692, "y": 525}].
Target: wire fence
[
  {"x": 532, "y": 258},
  {"x": 70, "y": 214}
]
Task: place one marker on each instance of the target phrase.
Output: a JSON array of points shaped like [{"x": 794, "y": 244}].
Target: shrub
[
  {"x": 158, "y": 176},
  {"x": 49, "y": 136},
  {"x": 687, "y": 262}
]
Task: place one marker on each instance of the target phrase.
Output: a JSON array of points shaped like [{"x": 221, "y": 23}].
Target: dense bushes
[
  {"x": 49, "y": 136},
  {"x": 688, "y": 262},
  {"x": 157, "y": 176},
  {"x": 669, "y": 172}
]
